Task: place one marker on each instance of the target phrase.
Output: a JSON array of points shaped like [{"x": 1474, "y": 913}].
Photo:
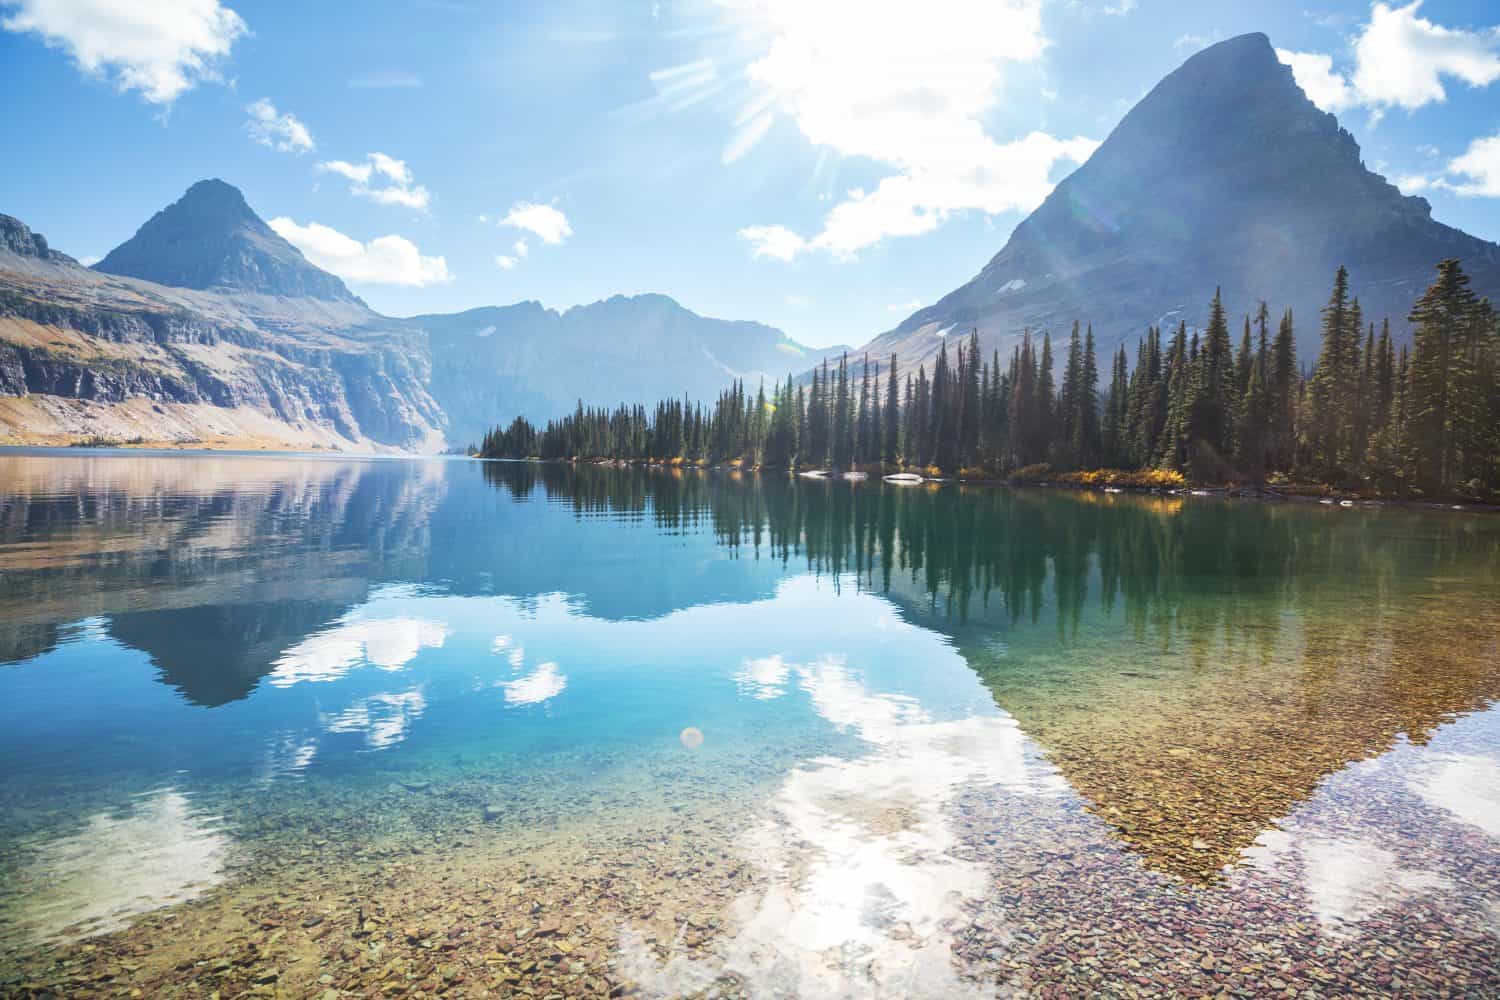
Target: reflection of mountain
[
  {"x": 210, "y": 566},
  {"x": 217, "y": 653},
  {"x": 216, "y": 567},
  {"x": 1194, "y": 668}
]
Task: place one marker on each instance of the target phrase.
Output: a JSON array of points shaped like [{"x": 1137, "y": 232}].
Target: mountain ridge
[
  {"x": 207, "y": 325},
  {"x": 1225, "y": 175}
]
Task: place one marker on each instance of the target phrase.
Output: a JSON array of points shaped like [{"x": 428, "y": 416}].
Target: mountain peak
[
  {"x": 211, "y": 238},
  {"x": 1224, "y": 175},
  {"x": 19, "y": 238}
]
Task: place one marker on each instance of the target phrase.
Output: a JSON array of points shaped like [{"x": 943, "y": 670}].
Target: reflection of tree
[{"x": 1194, "y": 668}]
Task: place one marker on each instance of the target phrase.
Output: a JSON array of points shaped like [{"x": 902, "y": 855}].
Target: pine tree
[
  {"x": 891, "y": 451},
  {"x": 1445, "y": 319}
]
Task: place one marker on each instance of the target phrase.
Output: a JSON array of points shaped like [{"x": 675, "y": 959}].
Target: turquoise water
[{"x": 859, "y": 739}]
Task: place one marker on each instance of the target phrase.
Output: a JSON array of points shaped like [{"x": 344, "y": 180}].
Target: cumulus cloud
[
  {"x": 1314, "y": 73},
  {"x": 382, "y": 179},
  {"x": 775, "y": 242},
  {"x": 160, "y": 49},
  {"x": 545, "y": 222},
  {"x": 1480, "y": 164},
  {"x": 385, "y": 260},
  {"x": 505, "y": 263},
  {"x": 909, "y": 90},
  {"x": 1401, "y": 60},
  {"x": 278, "y": 130}
]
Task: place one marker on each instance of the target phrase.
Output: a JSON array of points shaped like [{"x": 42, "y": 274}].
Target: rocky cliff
[
  {"x": 208, "y": 326},
  {"x": 85, "y": 354}
]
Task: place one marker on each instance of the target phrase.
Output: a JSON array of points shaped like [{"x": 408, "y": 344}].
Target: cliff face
[
  {"x": 208, "y": 326},
  {"x": 1224, "y": 175},
  {"x": 299, "y": 370}
]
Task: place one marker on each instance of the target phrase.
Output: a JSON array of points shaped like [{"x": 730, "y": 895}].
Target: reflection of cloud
[
  {"x": 866, "y": 890},
  {"x": 763, "y": 678},
  {"x": 1466, "y": 785},
  {"x": 160, "y": 852},
  {"x": 389, "y": 643},
  {"x": 1350, "y": 878},
  {"x": 1347, "y": 878},
  {"x": 383, "y": 718},
  {"x": 541, "y": 684},
  {"x": 287, "y": 755},
  {"x": 500, "y": 643}
]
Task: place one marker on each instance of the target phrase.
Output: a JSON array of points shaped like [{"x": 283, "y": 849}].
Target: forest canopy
[{"x": 1419, "y": 417}]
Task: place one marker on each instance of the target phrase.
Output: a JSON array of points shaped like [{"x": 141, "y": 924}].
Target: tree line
[{"x": 1418, "y": 417}]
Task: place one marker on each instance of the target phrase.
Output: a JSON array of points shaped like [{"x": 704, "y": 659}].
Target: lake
[{"x": 318, "y": 726}]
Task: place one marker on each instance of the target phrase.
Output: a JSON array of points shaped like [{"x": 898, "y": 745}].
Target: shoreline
[{"x": 1292, "y": 493}]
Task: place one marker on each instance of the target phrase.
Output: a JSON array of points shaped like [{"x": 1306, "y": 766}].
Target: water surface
[{"x": 292, "y": 724}]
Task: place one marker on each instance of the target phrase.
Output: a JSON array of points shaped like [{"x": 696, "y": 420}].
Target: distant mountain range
[
  {"x": 1225, "y": 174},
  {"x": 528, "y": 359},
  {"x": 208, "y": 326}
]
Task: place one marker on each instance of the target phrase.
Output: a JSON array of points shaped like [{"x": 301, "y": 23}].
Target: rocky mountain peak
[
  {"x": 18, "y": 238},
  {"x": 211, "y": 238},
  {"x": 1225, "y": 175}
]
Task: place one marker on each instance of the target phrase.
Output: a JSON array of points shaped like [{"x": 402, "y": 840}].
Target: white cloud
[
  {"x": 905, "y": 308},
  {"x": 545, "y": 222},
  {"x": 1412, "y": 183},
  {"x": 1314, "y": 73},
  {"x": 279, "y": 130},
  {"x": 522, "y": 249},
  {"x": 1481, "y": 164},
  {"x": 776, "y": 242},
  {"x": 385, "y": 260},
  {"x": 1401, "y": 60},
  {"x": 161, "y": 49},
  {"x": 505, "y": 263},
  {"x": 382, "y": 179},
  {"x": 1119, "y": 8},
  {"x": 908, "y": 90}
]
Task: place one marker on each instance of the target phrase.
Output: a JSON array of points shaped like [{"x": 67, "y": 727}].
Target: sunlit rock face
[{"x": 1224, "y": 175}]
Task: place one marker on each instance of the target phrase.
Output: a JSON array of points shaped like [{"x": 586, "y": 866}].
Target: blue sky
[{"x": 808, "y": 164}]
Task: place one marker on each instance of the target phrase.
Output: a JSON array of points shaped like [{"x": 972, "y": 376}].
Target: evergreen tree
[{"x": 891, "y": 445}]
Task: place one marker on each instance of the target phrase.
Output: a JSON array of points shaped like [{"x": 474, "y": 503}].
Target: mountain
[
  {"x": 207, "y": 326},
  {"x": 494, "y": 363},
  {"x": 210, "y": 238},
  {"x": 268, "y": 352},
  {"x": 1225, "y": 174}
]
